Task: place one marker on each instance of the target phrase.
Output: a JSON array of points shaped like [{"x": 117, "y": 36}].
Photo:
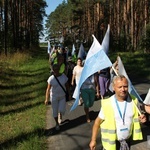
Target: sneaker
[
  {"x": 88, "y": 120},
  {"x": 57, "y": 127},
  {"x": 59, "y": 118},
  {"x": 80, "y": 103}
]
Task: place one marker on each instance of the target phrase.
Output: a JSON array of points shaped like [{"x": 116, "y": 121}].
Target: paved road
[{"x": 75, "y": 132}]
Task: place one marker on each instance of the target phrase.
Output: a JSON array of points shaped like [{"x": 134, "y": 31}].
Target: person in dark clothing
[{"x": 104, "y": 81}]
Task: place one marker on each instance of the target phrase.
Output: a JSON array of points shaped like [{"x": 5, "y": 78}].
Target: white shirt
[
  {"x": 56, "y": 89},
  {"x": 123, "y": 130},
  {"x": 77, "y": 72}
]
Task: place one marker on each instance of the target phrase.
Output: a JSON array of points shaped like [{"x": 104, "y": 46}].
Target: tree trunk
[
  {"x": 132, "y": 26},
  {"x": 145, "y": 20},
  {"x": 6, "y": 24}
]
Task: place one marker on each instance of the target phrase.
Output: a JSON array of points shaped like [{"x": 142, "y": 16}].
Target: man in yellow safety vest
[{"x": 118, "y": 119}]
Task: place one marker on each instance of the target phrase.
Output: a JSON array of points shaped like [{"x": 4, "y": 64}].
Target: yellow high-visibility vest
[
  {"x": 108, "y": 126},
  {"x": 74, "y": 58},
  {"x": 62, "y": 68}
]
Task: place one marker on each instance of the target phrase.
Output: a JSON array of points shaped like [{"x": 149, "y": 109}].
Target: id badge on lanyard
[{"x": 123, "y": 130}]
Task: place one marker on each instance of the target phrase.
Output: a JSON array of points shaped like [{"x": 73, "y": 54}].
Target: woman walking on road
[{"x": 56, "y": 93}]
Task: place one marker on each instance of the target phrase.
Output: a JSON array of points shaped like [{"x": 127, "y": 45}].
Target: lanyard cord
[{"x": 122, "y": 117}]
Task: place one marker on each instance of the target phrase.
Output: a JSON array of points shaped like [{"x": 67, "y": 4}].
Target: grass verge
[
  {"x": 136, "y": 65},
  {"x": 22, "y": 93}
]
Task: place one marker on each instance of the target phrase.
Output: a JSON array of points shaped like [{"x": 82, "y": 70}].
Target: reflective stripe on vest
[
  {"x": 108, "y": 131},
  {"x": 108, "y": 141}
]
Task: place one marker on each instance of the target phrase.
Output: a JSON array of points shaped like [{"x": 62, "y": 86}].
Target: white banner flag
[{"x": 96, "y": 60}]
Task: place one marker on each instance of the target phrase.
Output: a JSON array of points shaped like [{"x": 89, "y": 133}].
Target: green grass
[
  {"x": 136, "y": 65},
  {"x": 22, "y": 94}
]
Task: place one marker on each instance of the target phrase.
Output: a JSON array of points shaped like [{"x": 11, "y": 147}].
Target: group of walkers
[{"x": 118, "y": 117}]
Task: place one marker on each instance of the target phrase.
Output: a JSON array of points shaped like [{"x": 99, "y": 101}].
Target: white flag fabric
[
  {"x": 96, "y": 60},
  {"x": 131, "y": 87},
  {"x": 73, "y": 50},
  {"x": 147, "y": 98},
  {"x": 81, "y": 53},
  {"x": 105, "y": 42},
  {"x": 48, "y": 47},
  {"x": 52, "y": 50}
]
